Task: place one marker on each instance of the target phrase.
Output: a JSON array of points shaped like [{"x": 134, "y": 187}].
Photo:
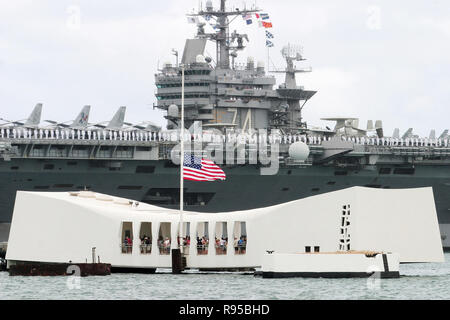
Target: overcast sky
[{"x": 387, "y": 60}]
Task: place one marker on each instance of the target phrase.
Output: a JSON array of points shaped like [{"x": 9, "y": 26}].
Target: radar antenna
[
  {"x": 221, "y": 36},
  {"x": 292, "y": 53}
]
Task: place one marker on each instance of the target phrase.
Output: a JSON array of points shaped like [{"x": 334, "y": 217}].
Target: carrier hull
[{"x": 245, "y": 188}]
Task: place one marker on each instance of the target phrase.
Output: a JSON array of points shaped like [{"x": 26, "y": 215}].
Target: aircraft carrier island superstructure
[{"x": 223, "y": 100}]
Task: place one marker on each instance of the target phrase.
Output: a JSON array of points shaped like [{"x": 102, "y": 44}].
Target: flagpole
[
  {"x": 177, "y": 254},
  {"x": 182, "y": 157}
]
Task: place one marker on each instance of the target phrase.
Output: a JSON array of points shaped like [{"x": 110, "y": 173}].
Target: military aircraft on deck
[
  {"x": 80, "y": 122},
  {"x": 32, "y": 122}
]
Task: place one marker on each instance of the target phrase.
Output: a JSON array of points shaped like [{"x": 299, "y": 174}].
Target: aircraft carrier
[{"x": 238, "y": 106}]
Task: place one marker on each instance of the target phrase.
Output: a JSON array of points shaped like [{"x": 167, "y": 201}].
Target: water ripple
[{"x": 418, "y": 281}]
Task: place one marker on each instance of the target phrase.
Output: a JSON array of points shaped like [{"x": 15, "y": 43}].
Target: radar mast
[
  {"x": 292, "y": 53},
  {"x": 224, "y": 41}
]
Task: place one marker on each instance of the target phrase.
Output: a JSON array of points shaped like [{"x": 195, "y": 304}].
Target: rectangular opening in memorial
[
  {"x": 164, "y": 238},
  {"x": 145, "y": 235},
  {"x": 127, "y": 237}
]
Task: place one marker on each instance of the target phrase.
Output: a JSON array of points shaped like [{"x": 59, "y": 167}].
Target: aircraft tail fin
[
  {"x": 444, "y": 134},
  {"x": 379, "y": 128},
  {"x": 432, "y": 134},
  {"x": 35, "y": 117},
  {"x": 118, "y": 119},
  {"x": 407, "y": 134},
  {"x": 396, "y": 134},
  {"x": 82, "y": 119}
]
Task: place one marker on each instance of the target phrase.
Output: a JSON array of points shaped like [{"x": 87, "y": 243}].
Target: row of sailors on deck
[
  {"x": 65, "y": 134},
  {"x": 23, "y": 133}
]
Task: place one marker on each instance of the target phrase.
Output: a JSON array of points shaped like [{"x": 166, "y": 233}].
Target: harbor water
[{"x": 417, "y": 281}]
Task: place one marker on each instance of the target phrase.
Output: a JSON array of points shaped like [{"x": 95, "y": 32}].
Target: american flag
[{"x": 197, "y": 169}]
